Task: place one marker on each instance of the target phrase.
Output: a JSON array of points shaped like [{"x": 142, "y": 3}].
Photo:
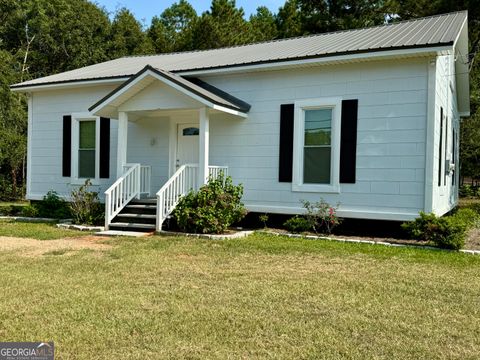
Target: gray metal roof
[{"x": 425, "y": 32}]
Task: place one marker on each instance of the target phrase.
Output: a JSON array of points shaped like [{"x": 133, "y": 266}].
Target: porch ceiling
[{"x": 195, "y": 94}]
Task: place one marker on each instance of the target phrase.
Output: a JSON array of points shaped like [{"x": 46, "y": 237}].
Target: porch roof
[{"x": 194, "y": 88}]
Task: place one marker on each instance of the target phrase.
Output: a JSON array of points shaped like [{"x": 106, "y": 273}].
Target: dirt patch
[
  {"x": 473, "y": 240},
  {"x": 67, "y": 246}
]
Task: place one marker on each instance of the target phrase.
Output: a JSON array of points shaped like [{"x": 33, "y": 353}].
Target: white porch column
[
  {"x": 122, "y": 142},
  {"x": 203, "y": 147}
]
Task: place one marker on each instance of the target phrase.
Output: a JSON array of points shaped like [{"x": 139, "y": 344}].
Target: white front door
[{"x": 187, "y": 144}]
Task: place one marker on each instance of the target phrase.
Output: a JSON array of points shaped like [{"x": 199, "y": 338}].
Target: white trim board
[
  {"x": 345, "y": 213},
  {"x": 76, "y": 118},
  {"x": 334, "y": 103},
  {"x": 29, "y": 143},
  {"x": 105, "y": 107}
]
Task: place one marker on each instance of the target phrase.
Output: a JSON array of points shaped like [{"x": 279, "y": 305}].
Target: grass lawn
[
  {"x": 259, "y": 297},
  {"x": 40, "y": 231}
]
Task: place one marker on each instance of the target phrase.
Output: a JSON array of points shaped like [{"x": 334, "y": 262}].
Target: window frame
[
  {"x": 334, "y": 103},
  {"x": 76, "y": 119}
]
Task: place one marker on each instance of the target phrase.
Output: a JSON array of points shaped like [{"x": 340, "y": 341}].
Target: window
[
  {"x": 317, "y": 146},
  {"x": 86, "y": 149},
  {"x": 191, "y": 131},
  {"x": 316, "y": 153}
]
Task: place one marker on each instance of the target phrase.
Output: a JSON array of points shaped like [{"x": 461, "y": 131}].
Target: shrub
[
  {"x": 30, "y": 211},
  {"x": 297, "y": 224},
  {"x": 469, "y": 216},
  {"x": 212, "y": 209},
  {"x": 465, "y": 190},
  {"x": 85, "y": 206},
  {"x": 446, "y": 232},
  {"x": 264, "y": 219},
  {"x": 52, "y": 206},
  {"x": 6, "y": 189},
  {"x": 321, "y": 216}
]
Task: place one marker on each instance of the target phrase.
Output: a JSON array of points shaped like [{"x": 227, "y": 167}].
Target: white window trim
[
  {"x": 76, "y": 118},
  {"x": 335, "y": 103}
]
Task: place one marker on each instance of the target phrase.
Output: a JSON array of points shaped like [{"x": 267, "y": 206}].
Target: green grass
[
  {"x": 40, "y": 231},
  {"x": 260, "y": 297},
  {"x": 14, "y": 203}
]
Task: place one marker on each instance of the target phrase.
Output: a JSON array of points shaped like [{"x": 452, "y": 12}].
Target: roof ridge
[{"x": 296, "y": 37}]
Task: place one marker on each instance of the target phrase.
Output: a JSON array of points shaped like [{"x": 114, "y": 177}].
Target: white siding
[
  {"x": 391, "y": 136},
  {"x": 148, "y": 145},
  {"x": 390, "y": 174},
  {"x": 445, "y": 195},
  {"x": 47, "y": 133}
]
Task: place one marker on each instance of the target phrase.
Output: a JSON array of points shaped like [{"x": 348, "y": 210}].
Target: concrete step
[
  {"x": 137, "y": 216},
  {"x": 141, "y": 206},
  {"x": 148, "y": 201},
  {"x": 122, "y": 233},
  {"x": 130, "y": 226}
]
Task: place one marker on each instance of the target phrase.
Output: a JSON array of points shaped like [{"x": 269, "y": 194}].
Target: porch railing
[
  {"x": 145, "y": 178},
  {"x": 215, "y": 171},
  {"x": 134, "y": 182},
  {"x": 122, "y": 192},
  {"x": 184, "y": 180}
]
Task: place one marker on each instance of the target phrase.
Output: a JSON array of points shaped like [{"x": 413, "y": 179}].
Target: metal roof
[
  {"x": 419, "y": 33},
  {"x": 193, "y": 86}
]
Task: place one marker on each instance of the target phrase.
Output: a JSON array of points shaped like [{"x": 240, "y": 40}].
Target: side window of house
[
  {"x": 87, "y": 149},
  {"x": 317, "y": 146}
]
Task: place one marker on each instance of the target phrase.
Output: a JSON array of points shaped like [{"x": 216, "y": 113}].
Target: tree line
[{"x": 39, "y": 38}]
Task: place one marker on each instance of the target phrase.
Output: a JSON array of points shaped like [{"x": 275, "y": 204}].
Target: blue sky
[{"x": 146, "y": 9}]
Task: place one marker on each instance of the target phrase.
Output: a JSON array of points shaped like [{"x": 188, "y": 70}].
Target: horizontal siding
[
  {"x": 140, "y": 149},
  {"x": 46, "y": 140},
  {"x": 391, "y": 133}
]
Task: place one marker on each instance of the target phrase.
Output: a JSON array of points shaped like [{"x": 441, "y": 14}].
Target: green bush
[
  {"x": 321, "y": 216},
  {"x": 85, "y": 206},
  {"x": 447, "y": 232},
  {"x": 469, "y": 216},
  {"x": 11, "y": 210},
  {"x": 6, "y": 189},
  {"x": 30, "y": 211},
  {"x": 468, "y": 190},
  {"x": 52, "y": 206},
  {"x": 212, "y": 209},
  {"x": 297, "y": 224},
  {"x": 264, "y": 219}
]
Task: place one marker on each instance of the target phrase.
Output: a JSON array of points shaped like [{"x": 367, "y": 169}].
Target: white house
[{"x": 366, "y": 118}]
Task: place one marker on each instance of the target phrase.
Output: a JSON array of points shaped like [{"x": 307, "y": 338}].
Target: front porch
[{"x": 162, "y": 140}]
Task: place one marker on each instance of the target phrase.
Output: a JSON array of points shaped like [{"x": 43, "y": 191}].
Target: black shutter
[
  {"x": 445, "y": 157},
  {"x": 67, "y": 146},
  {"x": 286, "y": 143},
  {"x": 440, "y": 144},
  {"x": 348, "y": 141},
  {"x": 104, "y": 148}
]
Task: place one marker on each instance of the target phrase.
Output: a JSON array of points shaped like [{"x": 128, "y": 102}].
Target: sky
[{"x": 144, "y": 10}]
